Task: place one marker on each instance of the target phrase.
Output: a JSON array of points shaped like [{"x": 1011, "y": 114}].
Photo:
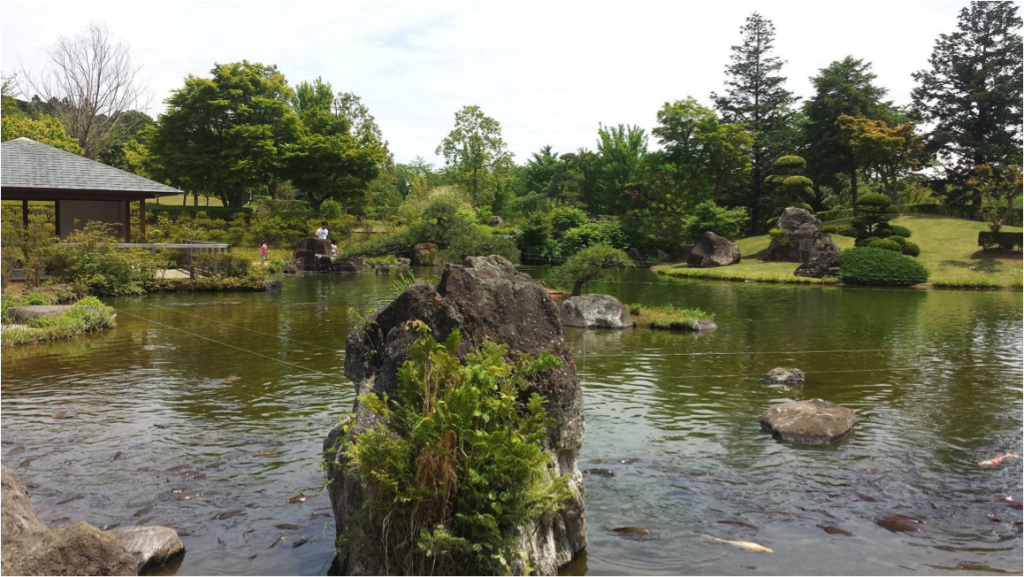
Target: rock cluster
[
  {"x": 487, "y": 300},
  {"x": 595, "y": 311},
  {"x": 804, "y": 243},
  {"x": 713, "y": 250},
  {"x": 309, "y": 252},
  {"x": 784, "y": 376}
]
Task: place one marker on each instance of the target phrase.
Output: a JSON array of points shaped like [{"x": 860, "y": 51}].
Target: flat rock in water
[
  {"x": 784, "y": 376},
  {"x": 811, "y": 422},
  {"x": 21, "y": 315},
  {"x": 151, "y": 546},
  {"x": 595, "y": 311}
]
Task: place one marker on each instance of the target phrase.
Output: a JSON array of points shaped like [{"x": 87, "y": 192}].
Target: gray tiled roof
[{"x": 25, "y": 163}]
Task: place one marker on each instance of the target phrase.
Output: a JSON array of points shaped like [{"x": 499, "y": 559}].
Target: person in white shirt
[{"x": 322, "y": 233}]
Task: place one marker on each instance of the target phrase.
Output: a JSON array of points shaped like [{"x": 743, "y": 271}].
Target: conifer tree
[
  {"x": 755, "y": 96},
  {"x": 972, "y": 95}
]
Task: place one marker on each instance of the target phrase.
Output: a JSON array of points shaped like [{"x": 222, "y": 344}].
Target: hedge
[
  {"x": 834, "y": 214},
  {"x": 1006, "y": 240},
  {"x": 877, "y": 267}
]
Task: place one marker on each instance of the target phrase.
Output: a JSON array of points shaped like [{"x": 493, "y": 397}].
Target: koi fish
[
  {"x": 998, "y": 460},
  {"x": 745, "y": 545}
]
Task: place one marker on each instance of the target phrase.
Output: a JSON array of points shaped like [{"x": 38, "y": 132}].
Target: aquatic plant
[{"x": 456, "y": 463}]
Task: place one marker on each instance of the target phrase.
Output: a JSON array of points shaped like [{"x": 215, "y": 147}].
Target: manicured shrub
[
  {"x": 911, "y": 249},
  {"x": 884, "y": 244},
  {"x": 708, "y": 216},
  {"x": 897, "y": 230},
  {"x": 1004, "y": 240},
  {"x": 779, "y": 236},
  {"x": 457, "y": 466},
  {"x": 898, "y": 240},
  {"x": 877, "y": 267},
  {"x": 771, "y": 222},
  {"x": 593, "y": 234},
  {"x": 588, "y": 264},
  {"x": 830, "y": 229}
]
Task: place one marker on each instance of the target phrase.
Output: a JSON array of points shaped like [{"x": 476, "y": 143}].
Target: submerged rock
[
  {"x": 784, "y": 376},
  {"x": 595, "y": 311},
  {"x": 487, "y": 300},
  {"x": 713, "y": 250},
  {"x": 151, "y": 546},
  {"x": 29, "y": 548},
  {"x": 811, "y": 422}
]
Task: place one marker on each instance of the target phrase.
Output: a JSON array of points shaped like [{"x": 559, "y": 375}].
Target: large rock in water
[
  {"x": 151, "y": 546},
  {"x": 804, "y": 240},
  {"x": 595, "y": 311},
  {"x": 812, "y": 422},
  {"x": 29, "y": 548},
  {"x": 713, "y": 250},
  {"x": 308, "y": 251},
  {"x": 487, "y": 300},
  {"x": 424, "y": 254}
]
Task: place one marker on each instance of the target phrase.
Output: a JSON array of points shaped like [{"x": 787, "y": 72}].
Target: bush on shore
[{"x": 879, "y": 267}]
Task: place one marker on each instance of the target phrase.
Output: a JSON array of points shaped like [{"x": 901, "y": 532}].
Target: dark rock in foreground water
[
  {"x": 812, "y": 422},
  {"x": 487, "y": 300},
  {"x": 596, "y": 312}
]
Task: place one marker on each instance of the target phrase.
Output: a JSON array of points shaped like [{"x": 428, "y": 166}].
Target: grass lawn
[
  {"x": 175, "y": 200},
  {"x": 949, "y": 250}
]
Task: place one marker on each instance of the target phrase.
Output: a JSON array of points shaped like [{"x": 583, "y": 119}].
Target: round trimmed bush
[
  {"x": 566, "y": 218},
  {"x": 911, "y": 249},
  {"x": 897, "y": 230},
  {"x": 877, "y": 267},
  {"x": 898, "y": 240},
  {"x": 771, "y": 221},
  {"x": 884, "y": 244},
  {"x": 830, "y": 229}
]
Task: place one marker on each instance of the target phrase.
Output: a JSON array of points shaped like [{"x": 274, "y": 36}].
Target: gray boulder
[
  {"x": 487, "y": 300},
  {"x": 822, "y": 260},
  {"x": 712, "y": 250},
  {"x": 496, "y": 221},
  {"x": 348, "y": 265},
  {"x": 803, "y": 235},
  {"x": 811, "y": 422},
  {"x": 21, "y": 315},
  {"x": 596, "y": 312},
  {"x": 28, "y": 547},
  {"x": 151, "y": 546},
  {"x": 636, "y": 257},
  {"x": 784, "y": 376}
]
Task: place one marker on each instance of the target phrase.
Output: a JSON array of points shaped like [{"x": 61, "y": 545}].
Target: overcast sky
[{"x": 549, "y": 72}]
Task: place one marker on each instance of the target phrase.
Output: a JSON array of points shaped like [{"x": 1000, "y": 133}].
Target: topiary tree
[
  {"x": 587, "y": 265},
  {"x": 793, "y": 188}
]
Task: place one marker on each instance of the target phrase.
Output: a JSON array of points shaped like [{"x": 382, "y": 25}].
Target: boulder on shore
[
  {"x": 713, "y": 250},
  {"x": 496, "y": 221},
  {"x": 595, "y": 312},
  {"x": 308, "y": 252},
  {"x": 348, "y": 265},
  {"x": 784, "y": 376},
  {"x": 424, "y": 254},
  {"x": 29, "y": 548},
  {"x": 803, "y": 239},
  {"x": 822, "y": 260},
  {"x": 811, "y": 422},
  {"x": 487, "y": 300}
]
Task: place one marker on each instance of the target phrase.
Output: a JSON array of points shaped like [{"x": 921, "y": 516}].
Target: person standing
[
  {"x": 263, "y": 251},
  {"x": 322, "y": 232}
]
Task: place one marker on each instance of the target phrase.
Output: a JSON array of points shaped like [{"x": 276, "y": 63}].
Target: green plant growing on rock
[
  {"x": 456, "y": 464},
  {"x": 587, "y": 265}
]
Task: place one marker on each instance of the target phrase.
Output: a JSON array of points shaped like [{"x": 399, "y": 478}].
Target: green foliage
[
  {"x": 474, "y": 150},
  {"x": 873, "y": 226},
  {"x": 877, "y": 267},
  {"x": 588, "y": 264},
  {"x": 897, "y": 230},
  {"x": 621, "y": 151},
  {"x": 565, "y": 218},
  {"x": 330, "y": 209},
  {"x": 791, "y": 187},
  {"x": 884, "y": 244},
  {"x": 830, "y": 229},
  {"x": 40, "y": 127},
  {"x": 910, "y": 248},
  {"x": 779, "y": 236},
  {"x": 88, "y": 314},
  {"x": 95, "y": 261},
  {"x": 667, "y": 317},
  {"x": 224, "y": 264},
  {"x": 536, "y": 245},
  {"x": 45, "y": 295},
  {"x": 708, "y": 216},
  {"x": 175, "y": 211},
  {"x": 457, "y": 465},
  {"x": 1004, "y": 240},
  {"x": 592, "y": 234}
]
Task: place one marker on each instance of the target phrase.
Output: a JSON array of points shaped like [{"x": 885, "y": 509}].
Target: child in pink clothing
[{"x": 263, "y": 251}]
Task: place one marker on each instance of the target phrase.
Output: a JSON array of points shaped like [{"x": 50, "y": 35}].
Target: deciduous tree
[
  {"x": 889, "y": 152},
  {"x": 474, "y": 149}
]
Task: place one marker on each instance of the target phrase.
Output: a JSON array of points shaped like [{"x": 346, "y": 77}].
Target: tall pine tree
[
  {"x": 844, "y": 87},
  {"x": 972, "y": 94},
  {"x": 755, "y": 97}
]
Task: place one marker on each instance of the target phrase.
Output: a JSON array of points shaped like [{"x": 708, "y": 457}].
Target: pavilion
[{"x": 82, "y": 190}]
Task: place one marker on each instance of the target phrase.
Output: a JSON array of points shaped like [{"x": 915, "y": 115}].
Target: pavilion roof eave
[{"x": 49, "y": 194}]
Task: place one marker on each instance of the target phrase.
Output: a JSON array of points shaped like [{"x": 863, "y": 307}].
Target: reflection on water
[{"x": 200, "y": 405}]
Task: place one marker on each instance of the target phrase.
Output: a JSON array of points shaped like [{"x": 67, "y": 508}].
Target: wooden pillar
[
  {"x": 56, "y": 217},
  {"x": 142, "y": 220},
  {"x": 24, "y": 213},
  {"x": 127, "y": 221}
]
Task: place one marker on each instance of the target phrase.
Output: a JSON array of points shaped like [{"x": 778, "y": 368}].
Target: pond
[{"x": 207, "y": 413}]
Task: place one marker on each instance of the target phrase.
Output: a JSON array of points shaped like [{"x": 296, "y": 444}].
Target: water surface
[{"x": 201, "y": 405}]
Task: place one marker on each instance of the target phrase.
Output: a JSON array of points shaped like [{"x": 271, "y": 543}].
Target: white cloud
[{"x": 549, "y": 72}]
